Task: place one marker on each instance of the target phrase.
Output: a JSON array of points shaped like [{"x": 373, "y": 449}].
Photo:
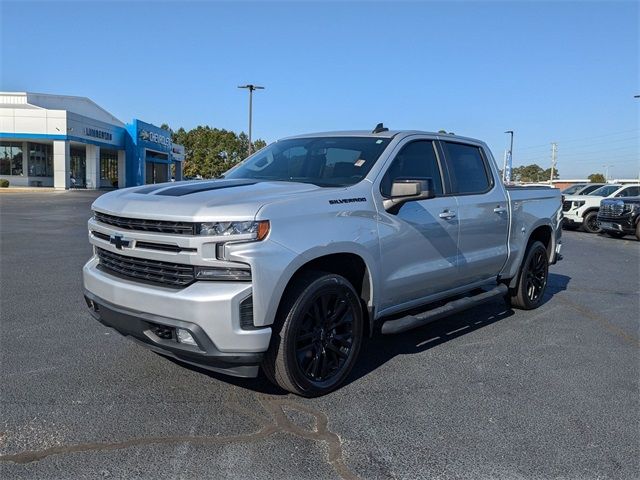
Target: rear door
[
  {"x": 419, "y": 242},
  {"x": 483, "y": 213}
]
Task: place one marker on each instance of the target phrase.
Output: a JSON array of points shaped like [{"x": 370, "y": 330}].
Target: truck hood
[
  {"x": 586, "y": 198},
  {"x": 220, "y": 200}
]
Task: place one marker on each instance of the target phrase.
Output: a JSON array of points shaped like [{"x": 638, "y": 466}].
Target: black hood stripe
[
  {"x": 198, "y": 187},
  {"x": 152, "y": 188}
]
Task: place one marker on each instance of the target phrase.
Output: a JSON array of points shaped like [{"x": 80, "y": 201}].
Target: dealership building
[{"x": 70, "y": 142}]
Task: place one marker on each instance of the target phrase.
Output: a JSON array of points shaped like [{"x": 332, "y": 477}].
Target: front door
[
  {"x": 78, "y": 166},
  {"x": 482, "y": 213},
  {"x": 419, "y": 242}
]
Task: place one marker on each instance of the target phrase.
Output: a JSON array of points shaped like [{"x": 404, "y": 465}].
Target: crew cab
[
  {"x": 311, "y": 244},
  {"x": 618, "y": 217},
  {"x": 582, "y": 210}
]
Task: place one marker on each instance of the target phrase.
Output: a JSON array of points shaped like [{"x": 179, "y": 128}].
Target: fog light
[{"x": 185, "y": 337}]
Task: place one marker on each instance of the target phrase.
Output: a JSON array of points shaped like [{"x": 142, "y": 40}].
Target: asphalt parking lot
[{"x": 491, "y": 393}]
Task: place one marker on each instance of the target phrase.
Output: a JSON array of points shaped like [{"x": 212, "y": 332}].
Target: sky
[{"x": 560, "y": 71}]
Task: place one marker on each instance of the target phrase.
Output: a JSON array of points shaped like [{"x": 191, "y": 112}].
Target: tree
[
  {"x": 533, "y": 173},
  {"x": 596, "y": 178},
  {"x": 209, "y": 152}
]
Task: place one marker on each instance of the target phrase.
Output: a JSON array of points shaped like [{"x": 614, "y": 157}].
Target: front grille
[
  {"x": 566, "y": 205},
  {"x": 611, "y": 209},
  {"x": 167, "y": 274},
  {"x": 160, "y": 226}
]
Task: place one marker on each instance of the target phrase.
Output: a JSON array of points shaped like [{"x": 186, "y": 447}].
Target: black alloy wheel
[
  {"x": 590, "y": 223},
  {"x": 537, "y": 270},
  {"x": 324, "y": 336},
  {"x": 317, "y": 335},
  {"x": 532, "y": 279}
]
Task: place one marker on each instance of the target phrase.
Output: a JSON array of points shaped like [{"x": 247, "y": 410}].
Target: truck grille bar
[
  {"x": 611, "y": 209},
  {"x": 159, "y": 226},
  {"x": 166, "y": 274}
]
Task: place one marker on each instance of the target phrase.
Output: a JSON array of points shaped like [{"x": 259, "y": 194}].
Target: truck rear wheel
[
  {"x": 317, "y": 335},
  {"x": 532, "y": 279}
]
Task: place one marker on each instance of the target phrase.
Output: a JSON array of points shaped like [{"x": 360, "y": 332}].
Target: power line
[{"x": 546, "y": 145}]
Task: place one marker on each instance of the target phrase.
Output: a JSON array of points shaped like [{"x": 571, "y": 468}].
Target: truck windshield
[
  {"x": 605, "y": 191},
  {"x": 323, "y": 161}
]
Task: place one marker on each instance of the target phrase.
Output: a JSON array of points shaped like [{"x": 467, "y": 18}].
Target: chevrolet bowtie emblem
[{"x": 118, "y": 241}]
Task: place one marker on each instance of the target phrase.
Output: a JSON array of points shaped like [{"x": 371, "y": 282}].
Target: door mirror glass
[{"x": 405, "y": 190}]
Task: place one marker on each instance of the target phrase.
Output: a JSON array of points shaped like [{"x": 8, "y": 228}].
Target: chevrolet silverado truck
[
  {"x": 618, "y": 217},
  {"x": 313, "y": 243},
  {"x": 582, "y": 210}
]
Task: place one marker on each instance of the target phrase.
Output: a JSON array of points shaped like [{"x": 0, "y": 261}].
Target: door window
[
  {"x": 467, "y": 168},
  {"x": 629, "y": 192},
  {"x": 417, "y": 160}
]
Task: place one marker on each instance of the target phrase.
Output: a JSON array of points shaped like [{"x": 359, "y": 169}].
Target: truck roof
[{"x": 384, "y": 134}]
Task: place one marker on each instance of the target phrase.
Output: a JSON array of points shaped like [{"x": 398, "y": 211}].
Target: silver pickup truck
[{"x": 312, "y": 243}]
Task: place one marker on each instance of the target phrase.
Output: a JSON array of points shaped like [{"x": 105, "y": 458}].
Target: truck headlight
[
  {"x": 578, "y": 203},
  {"x": 223, "y": 274},
  {"x": 258, "y": 230}
]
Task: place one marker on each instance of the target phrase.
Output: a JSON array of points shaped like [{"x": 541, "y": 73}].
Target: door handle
[
  {"x": 447, "y": 215},
  {"x": 499, "y": 209}
]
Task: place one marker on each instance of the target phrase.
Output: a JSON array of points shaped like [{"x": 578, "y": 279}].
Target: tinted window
[
  {"x": 589, "y": 189},
  {"x": 605, "y": 191},
  {"x": 467, "y": 168},
  {"x": 573, "y": 189},
  {"x": 629, "y": 192},
  {"x": 323, "y": 161},
  {"x": 416, "y": 160}
]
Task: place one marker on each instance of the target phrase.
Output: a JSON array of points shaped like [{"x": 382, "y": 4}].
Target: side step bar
[{"x": 410, "y": 322}]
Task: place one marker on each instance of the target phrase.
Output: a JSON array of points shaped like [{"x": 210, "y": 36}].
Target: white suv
[{"x": 582, "y": 210}]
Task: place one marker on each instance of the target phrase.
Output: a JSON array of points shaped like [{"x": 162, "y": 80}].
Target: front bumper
[
  {"x": 624, "y": 223},
  {"x": 572, "y": 217},
  {"x": 144, "y": 328},
  {"x": 211, "y": 311}
]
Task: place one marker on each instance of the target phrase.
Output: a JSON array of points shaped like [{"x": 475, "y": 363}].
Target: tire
[
  {"x": 317, "y": 335},
  {"x": 614, "y": 234},
  {"x": 532, "y": 278},
  {"x": 590, "y": 222}
]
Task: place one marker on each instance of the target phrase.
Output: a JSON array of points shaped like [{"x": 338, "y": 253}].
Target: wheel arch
[
  {"x": 542, "y": 233},
  {"x": 349, "y": 264}
]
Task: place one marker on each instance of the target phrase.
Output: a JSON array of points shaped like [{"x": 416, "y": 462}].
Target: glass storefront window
[
  {"x": 40, "y": 160},
  {"x": 109, "y": 167},
  {"x": 10, "y": 158}
]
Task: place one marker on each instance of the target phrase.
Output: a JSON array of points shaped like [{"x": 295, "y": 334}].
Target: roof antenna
[{"x": 380, "y": 128}]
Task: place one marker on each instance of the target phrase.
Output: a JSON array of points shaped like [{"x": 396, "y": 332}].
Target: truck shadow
[{"x": 380, "y": 349}]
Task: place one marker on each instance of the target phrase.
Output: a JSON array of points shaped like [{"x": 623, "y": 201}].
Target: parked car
[
  {"x": 618, "y": 217},
  {"x": 582, "y": 188},
  {"x": 312, "y": 243},
  {"x": 582, "y": 210}
]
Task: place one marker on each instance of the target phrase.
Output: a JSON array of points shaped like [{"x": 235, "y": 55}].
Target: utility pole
[
  {"x": 251, "y": 88},
  {"x": 554, "y": 153}
]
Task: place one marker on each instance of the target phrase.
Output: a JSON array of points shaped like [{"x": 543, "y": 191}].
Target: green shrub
[{"x": 4, "y": 183}]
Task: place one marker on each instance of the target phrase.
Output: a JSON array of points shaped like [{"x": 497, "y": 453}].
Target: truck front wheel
[
  {"x": 317, "y": 335},
  {"x": 590, "y": 222},
  {"x": 532, "y": 280}
]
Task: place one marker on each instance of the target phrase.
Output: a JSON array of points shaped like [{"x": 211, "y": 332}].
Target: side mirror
[{"x": 405, "y": 190}]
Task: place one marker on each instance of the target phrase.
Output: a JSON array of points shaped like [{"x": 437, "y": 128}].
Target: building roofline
[{"x": 56, "y": 95}]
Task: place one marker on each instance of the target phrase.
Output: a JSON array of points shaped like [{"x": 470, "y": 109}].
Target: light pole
[
  {"x": 606, "y": 172},
  {"x": 506, "y": 176},
  {"x": 251, "y": 88}
]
